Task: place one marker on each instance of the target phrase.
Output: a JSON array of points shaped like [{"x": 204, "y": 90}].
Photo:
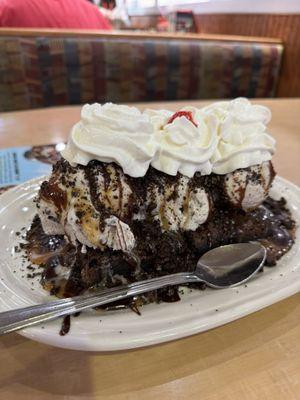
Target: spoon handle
[{"x": 14, "y": 320}]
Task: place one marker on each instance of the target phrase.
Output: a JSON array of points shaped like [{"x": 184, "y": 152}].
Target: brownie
[{"x": 159, "y": 253}]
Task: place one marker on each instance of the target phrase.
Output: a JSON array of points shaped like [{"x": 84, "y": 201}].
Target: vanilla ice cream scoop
[
  {"x": 177, "y": 205},
  {"x": 248, "y": 188},
  {"x": 66, "y": 207}
]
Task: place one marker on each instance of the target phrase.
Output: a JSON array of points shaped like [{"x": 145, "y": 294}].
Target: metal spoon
[{"x": 220, "y": 268}]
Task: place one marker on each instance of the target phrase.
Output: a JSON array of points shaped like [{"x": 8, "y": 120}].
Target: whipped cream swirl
[
  {"x": 242, "y": 137},
  {"x": 220, "y": 138},
  {"x": 112, "y": 133},
  {"x": 186, "y": 145}
]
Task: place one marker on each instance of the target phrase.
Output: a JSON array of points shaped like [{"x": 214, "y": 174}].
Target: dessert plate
[{"x": 197, "y": 311}]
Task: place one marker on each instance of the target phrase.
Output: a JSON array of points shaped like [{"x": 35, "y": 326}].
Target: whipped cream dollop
[
  {"x": 242, "y": 137},
  {"x": 112, "y": 133},
  {"x": 186, "y": 141},
  {"x": 219, "y": 138}
]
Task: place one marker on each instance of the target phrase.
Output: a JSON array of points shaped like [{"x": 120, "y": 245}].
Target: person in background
[
  {"x": 109, "y": 4},
  {"x": 116, "y": 12},
  {"x": 69, "y": 14}
]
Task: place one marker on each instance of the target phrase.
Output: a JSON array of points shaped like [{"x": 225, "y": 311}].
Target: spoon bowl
[{"x": 230, "y": 265}]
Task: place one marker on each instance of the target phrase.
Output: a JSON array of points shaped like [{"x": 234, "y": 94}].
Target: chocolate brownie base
[{"x": 156, "y": 253}]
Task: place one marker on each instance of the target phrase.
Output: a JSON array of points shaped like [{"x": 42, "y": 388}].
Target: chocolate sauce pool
[{"x": 68, "y": 271}]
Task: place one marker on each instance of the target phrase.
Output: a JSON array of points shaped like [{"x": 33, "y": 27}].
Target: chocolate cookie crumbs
[{"x": 69, "y": 269}]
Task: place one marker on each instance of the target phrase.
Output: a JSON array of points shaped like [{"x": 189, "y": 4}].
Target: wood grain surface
[{"x": 254, "y": 358}]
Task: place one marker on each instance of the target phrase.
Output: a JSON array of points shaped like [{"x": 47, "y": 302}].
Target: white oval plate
[{"x": 115, "y": 330}]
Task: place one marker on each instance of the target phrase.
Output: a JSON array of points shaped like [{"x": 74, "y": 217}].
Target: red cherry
[{"x": 187, "y": 114}]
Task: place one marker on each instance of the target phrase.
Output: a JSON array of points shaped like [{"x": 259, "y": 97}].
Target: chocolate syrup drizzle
[
  {"x": 156, "y": 252},
  {"x": 159, "y": 252}
]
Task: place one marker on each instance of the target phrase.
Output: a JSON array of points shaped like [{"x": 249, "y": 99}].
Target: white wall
[
  {"x": 222, "y": 6},
  {"x": 246, "y": 6}
]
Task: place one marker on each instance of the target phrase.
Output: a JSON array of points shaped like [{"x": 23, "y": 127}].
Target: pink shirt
[{"x": 72, "y": 14}]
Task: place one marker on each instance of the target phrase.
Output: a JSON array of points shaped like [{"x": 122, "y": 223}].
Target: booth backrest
[{"x": 49, "y": 68}]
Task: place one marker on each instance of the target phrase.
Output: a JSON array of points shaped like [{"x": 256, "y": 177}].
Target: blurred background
[{"x": 58, "y": 52}]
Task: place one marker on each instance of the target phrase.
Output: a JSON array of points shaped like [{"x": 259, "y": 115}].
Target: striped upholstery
[{"x": 45, "y": 70}]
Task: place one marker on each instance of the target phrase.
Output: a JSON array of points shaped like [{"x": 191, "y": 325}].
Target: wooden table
[{"x": 254, "y": 358}]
